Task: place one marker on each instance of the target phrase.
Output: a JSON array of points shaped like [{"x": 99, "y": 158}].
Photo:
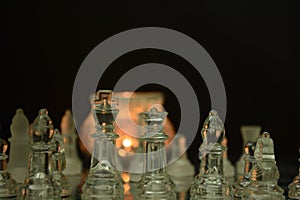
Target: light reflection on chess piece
[
  {"x": 265, "y": 174},
  {"x": 210, "y": 183},
  {"x": 294, "y": 186},
  {"x": 249, "y": 133},
  {"x": 181, "y": 169},
  {"x": 242, "y": 181},
  {"x": 8, "y": 185},
  {"x": 39, "y": 182},
  {"x": 18, "y": 154},
  {"x": 155, "y": 183},
  {"x": 59, "y": 164},
  {"x": 68, "y": 131}
]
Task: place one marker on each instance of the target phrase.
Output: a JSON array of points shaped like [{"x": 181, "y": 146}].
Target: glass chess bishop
[
  {"x": 210, "y": 183},
  {"x": 104, "y": 181}
]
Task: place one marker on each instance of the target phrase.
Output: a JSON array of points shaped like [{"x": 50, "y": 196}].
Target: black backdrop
[{"x": 255, "y": 45}]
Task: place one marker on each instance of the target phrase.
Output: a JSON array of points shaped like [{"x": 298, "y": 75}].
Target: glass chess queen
[{"x": 155, "y": 182}]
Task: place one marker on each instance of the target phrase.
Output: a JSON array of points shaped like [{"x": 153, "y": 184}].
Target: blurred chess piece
[
  {"x": 68, "y": 131},
  {"x": 59, "y": 164},
  {"x": 8, "y": 186},
  {"x": 229, "y": 169},
  {"x": 181, "y": 169},
  {"x": 250, "y": 133},
  {"x": 18, "y": 155},
  {"x": 294, "y": 186},
  {"x": 265, "y": 174}
]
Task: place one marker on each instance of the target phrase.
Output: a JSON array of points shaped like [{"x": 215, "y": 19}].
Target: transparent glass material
[
  {"x": 8, "y": 185},
  {"x": 264, "y": 174},
  {"x": 68, "y": 132},
  {"x": 155, "y": 182},
  {"x": 249, "y": 133},
  {"x": 40, "y": 183},
  {"x": 242, "y": 181},
  {"x": 104, "y": 180},
  {"x": 18, "y": 154},
  {"x": 181, "y": 169},
  {"x": 59, "y": 164},
  {"x": 210, "y": 182},
  {"x": 294, "y": 186}
]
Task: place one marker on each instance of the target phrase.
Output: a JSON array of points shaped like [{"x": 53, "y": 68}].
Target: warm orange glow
[
  {"x": 127, "y": 142},
  {"x": 125, "y": 177}
]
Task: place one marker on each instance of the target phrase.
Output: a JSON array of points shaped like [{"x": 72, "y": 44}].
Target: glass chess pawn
[
  {"x": 59, "y": 164},
  {"x": 104, "y": 180},
  {"x": 68, "y": 132},
  {"x": 155, "y": 182},
  {"x": 244, "y": 180},
  {"x": 294, "y": 186},
  {"x": 181, "y": 169},
  {"x": 39, "y": 183},
  {"x": 264, "y": 174},
  {"x": 210, "y": 183},
  {"x": 18, "y": 154},
  {"x": 8, "y": 185}
]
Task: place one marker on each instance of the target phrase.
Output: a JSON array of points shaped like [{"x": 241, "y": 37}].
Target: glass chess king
[{"x": 104, "y": 181}]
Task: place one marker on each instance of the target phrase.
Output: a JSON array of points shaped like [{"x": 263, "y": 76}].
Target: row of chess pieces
[{"x": 256, "y": 170}]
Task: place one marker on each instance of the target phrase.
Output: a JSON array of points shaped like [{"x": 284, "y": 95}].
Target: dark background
[{"x": 255, "y": 45}]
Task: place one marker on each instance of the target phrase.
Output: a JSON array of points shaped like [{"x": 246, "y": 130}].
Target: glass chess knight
[
  {"x": 264, "y": 174},
  {"x": 294, "y": 186},
  {"x": 210, "y": 183}
]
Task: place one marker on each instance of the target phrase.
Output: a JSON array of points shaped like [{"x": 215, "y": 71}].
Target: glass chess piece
[
  {"x": 18, "y": 154},
  {"x": 249, "y": 133},
  {"x": 59, "y": 164},
  {"x": 210, "y": 183},
  {"x": 181, "y": 170},
  {"x": 39, "y": 183},
  {"x": 229, "y": 169},
  {"x": 155, "y": 182},
  {"x": 104, "y": 180},
  {"x": 244, "y": 180},
  {"x": 294, "y": 186},
  {"x": 68, "y": 131},
  {"x": 264, "y": 174},
  {"x": 8, "y": 185}
]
